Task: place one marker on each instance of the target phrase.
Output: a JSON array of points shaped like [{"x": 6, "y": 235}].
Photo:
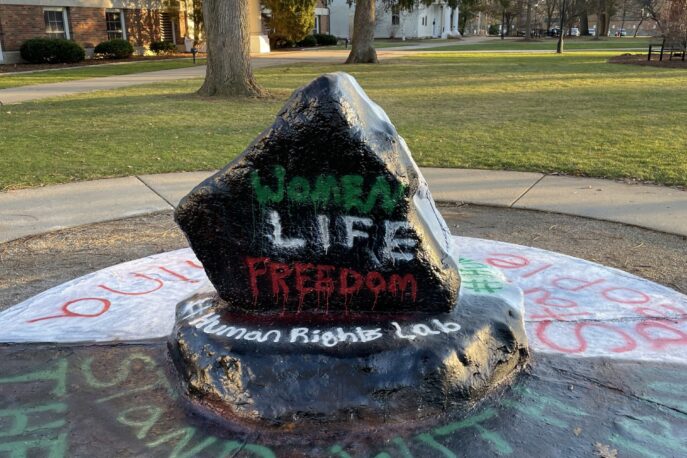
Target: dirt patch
[
  {"x": 13, "y": 68},
  {"x": 641, "y": 59},
  {"x": 34, "y": 264}
]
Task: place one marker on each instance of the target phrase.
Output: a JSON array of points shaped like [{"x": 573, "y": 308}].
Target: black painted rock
[
  {"x": 280, "y": 372},
  {"x": 325, "y": 211}
]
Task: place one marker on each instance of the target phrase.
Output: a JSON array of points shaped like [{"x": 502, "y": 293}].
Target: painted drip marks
[{"x": 572, "y": 306}]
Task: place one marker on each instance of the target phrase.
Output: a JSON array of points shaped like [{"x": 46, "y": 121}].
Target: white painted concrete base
[{"x": 572, "y": 306}]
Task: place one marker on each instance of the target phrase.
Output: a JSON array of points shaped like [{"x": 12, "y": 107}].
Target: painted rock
[{"x": 325, "y": 211}]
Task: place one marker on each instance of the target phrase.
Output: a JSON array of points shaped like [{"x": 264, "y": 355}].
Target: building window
[
  {"x": 167, "y": 28},
  {"x": 395, "y": 17},
  {"x": 56, "y": 22},
  {"x": 115, "y": 24},
  {"x": 317, "y": 24}
]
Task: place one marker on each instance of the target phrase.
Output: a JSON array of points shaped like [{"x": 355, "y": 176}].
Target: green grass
[
  {"x": 578, "y": 43},
  {"x": 8, "y": 80},
  {"x": 573, "y": 114}
]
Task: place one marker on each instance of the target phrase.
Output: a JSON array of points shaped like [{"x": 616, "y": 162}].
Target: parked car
[
  {"x": 554, "y": 32},
  {"x": 574, "y": 32},
  {"x": 592, "y": 31}
]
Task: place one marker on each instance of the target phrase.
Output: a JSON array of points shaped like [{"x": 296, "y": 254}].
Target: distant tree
[
  {"x": 468, "y": 10},
  {"x": 229, "y": 72},
  {"x": 675, "y": 20},
  {"x": 651, "y": 10},
  {"x": 549, "y": 7},
  {"x": 290, "y": 19}
]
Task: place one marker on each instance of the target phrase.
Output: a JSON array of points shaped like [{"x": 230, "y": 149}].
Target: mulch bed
[
  {"x": 12, "y": 68},
  {"x": 641, "y": 59}
]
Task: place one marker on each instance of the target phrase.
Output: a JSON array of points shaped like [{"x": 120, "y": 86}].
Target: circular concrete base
[
  {"x": 291, "y": 369},
  {"x": 111, "y": 398}
]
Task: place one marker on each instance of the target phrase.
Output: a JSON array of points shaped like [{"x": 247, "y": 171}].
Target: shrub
[
  {"x": 278, "y": 42},
  {"x": 114, "y": 49},
  {"x": 163, "y": 47},
  {"x": 308, "y": 42},
  {"x": 51, "y": 51},
  {"x": 324, "y": 39}
]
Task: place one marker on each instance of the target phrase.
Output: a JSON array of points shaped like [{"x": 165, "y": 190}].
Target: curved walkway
[
  {"x": 22, "y": 94},
  {"x": 35, "y": 211}
]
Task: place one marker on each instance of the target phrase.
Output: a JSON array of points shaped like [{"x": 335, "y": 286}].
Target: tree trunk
[
  {"x": 227, "y": 33},
  {"x": 503, "y": 22},
  {"x": 528, "y": 21},
  {"x": 362, "y": 43},
  {"x": 584, "y": 22},
  {"x": 559, "y": 46}
]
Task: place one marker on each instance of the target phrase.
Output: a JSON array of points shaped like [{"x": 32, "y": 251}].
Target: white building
[{"x": 433, "y": 21}]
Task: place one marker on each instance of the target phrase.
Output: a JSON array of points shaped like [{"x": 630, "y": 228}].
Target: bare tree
[
  {"x": 362, "y": 42},
  {"x": 651, "y": 9},
  {"x": 229, "y": 72}
]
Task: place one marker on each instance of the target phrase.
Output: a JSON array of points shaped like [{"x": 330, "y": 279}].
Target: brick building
[{"x": 88, "y": 22}]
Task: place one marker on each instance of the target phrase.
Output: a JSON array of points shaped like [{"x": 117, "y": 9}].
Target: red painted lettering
[
  {"x": 507, "y": 261},
  {"x": 625, "y": 296},
  {"x": 399, "y": 285},
  {"x": 542, "y": 326},
  {"x": 375, "y": 283},
  {"x": 159, "y": 284},
  {"x": 536, "y": 271},
  {"x": 301, "y": 278},
  {"x": 177, "y": 275},
  {"x": 545, "y": 298},
  {"x": 278, "y": 272},
  {"x": 574, "y": 284},
  {"x": 678, "y": 336},
  {"x": 68, "y": 313},
  {"x": 344, "y": 288},
  {"x": 254, "y": 273}
]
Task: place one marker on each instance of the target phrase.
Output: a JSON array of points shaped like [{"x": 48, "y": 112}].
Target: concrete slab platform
[
  {"x": 173, "y": 186},
  {"x": 34, "y": 211},
  {"x": 481, "y": 187},
  {"x": 654, "y": 207}
]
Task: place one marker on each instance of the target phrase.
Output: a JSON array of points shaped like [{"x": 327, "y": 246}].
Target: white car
[{"x": 575, "y": 32}]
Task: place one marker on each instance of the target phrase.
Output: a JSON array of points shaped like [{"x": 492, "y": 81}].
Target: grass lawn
[
  {"x": 576, "y": 43},
  {"x": 540, "y": 112},
  {"x": 8, "y": 80},
  {"x": 387, "y": 43}
]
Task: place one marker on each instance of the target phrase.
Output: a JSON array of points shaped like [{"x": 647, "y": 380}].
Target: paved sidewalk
[
  {"x": 28, "y": 93},
  {"x": 35, "y": 211}
]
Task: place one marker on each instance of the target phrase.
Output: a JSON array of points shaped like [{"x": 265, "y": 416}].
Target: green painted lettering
[
  {"x": 537, "y": 404},
  {"x": 352, "y": 191},
  {"x": 298, "y": 190},
  {"x": 144, "y": 424},
  {"x": 381, "y": 190},
  {"x": 56, "y": 447},
  {"x": 263, "y": 193},
  {"x": 662, "y": 436},
  {"x": 58, "y": 375},
  {"x": 339, "y": 452},
  {"x": 20, "y": 419},
  {"x": 186, "y": 435},
  {"x": 232, "y": 447},
  {"x": 492, "y": 437},
  {"x": 431, "y": 442},
  {"x": 326, "y": 190}
]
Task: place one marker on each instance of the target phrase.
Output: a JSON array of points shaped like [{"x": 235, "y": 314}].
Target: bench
[{"x": 673, "y": 48}]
